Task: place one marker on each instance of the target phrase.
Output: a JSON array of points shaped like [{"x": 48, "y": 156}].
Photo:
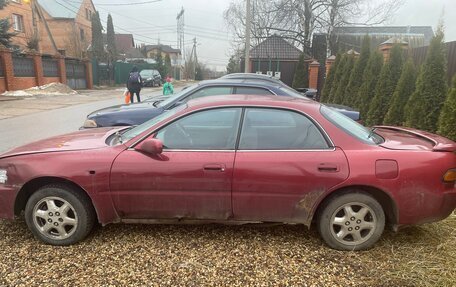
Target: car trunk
[{"x": 399, "y": 138}]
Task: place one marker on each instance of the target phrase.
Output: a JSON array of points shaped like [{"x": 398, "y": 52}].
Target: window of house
[
  {"x": 88, "y": 14},
  {"x": 18, "y": 23}
]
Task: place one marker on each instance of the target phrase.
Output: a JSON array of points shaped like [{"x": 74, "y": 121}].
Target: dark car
[
  {"x": 151, "y": 78},
  {"x": 135, "y": 114},
  {"x": 233, "y": 159}
]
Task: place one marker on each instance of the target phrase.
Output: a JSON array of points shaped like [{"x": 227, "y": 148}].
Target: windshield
[
  {"x": 150, "y": 123},
  {"x": 146, "y": 73},
  {"x": 174, "y": 97},
  {"x": 350, "y": 126}
]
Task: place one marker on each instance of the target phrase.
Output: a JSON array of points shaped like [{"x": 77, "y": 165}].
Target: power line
[
  {"x": 129, "y": 4},
  {"x": 120, "y": 4}
]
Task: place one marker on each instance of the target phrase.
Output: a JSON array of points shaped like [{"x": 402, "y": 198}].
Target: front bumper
[{"x": 7, "y": 199}]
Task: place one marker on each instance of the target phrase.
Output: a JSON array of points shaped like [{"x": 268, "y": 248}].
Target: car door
[
  {"x": 283, "y": 164},
  {"x": 191, "y": 179}
]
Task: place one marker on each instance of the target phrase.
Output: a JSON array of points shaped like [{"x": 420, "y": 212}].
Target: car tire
[
  {"x": 59, "y": 215},
  {"x": 351, "y": 221}
]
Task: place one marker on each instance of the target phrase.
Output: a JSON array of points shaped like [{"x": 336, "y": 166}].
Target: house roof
[
  {"x": 275, "y": 47},
  {"x": 425, "y": 31},
  {"x": 133, "y": 53},
  {"x": 124, "y": 42},
  {"x": 61, "y": 8},
  {"x": 164, "y": 48}
]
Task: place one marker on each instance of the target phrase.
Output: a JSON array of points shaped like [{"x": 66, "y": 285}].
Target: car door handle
[
  {"x": 215, "y": 167},
  {"x": 328, "y": 167}
]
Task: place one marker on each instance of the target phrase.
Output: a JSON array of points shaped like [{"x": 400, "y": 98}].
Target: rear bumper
[{"x": 7, "y": 198}]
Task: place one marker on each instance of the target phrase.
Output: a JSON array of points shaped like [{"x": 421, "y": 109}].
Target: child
[{"x": 168, "y": 88}]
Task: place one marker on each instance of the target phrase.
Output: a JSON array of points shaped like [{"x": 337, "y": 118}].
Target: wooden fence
[{"x": 419, "y": 56}]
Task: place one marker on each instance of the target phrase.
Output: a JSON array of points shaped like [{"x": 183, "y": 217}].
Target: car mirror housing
[{"x": 150, "y": 146}]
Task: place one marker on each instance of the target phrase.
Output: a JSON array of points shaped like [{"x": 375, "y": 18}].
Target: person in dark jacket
[{"x": 134, "y": 84}]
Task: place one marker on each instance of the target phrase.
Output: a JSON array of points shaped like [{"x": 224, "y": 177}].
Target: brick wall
[{"x": 11, "y": 82}]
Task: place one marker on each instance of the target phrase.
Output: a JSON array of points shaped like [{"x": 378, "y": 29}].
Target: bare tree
[{"x": 297, "y": 20}]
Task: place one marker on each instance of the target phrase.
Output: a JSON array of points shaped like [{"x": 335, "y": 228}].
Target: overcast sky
[{"x": 154, "y": 22}]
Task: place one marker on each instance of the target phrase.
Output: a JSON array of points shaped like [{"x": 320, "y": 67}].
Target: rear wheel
[
  {"x": 352, "y": 221},
  {"x": 59, "y": 215}
]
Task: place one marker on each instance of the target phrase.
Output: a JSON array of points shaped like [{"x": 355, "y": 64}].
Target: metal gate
[{"x": 76, "y": 74}]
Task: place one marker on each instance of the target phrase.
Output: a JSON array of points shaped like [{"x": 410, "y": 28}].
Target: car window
[
  {"x": 293, "y": 93},
  {"x": 350, "y": 127},
  {"x": 274, "y": 129},
  {"x": 150, "y": 123},
  {"x": 146, "y": 73},
  {"x": 210, "y": 91},
  {"x": 170, "y": 101},
  {"x": 252, "y": 91},
  {"x": 206, "y": 130}
]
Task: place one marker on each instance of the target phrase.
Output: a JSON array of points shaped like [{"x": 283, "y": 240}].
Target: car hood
[
  {"x": 400, "y": 138},
  {"x": 81, "y": 140},
  {"x": 120, "y": 108}
]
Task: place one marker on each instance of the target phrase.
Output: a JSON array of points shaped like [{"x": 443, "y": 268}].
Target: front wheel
[
  {"x": 352, "y": 221},
  {"x": 59, "y": 215}
]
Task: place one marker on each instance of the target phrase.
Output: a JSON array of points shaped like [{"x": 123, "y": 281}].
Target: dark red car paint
[{"x": 283, "y": 186}]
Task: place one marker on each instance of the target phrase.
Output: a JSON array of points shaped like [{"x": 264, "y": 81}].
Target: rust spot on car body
[{"x": 306, "y": 205}]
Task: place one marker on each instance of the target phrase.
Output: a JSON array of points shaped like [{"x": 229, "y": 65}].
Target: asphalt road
[{"x": 16, "y": 131}]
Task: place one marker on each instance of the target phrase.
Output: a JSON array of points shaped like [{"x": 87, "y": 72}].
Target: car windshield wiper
[
  {"x": 119, "y": 137},
  {"x": 371, "y": 133}
]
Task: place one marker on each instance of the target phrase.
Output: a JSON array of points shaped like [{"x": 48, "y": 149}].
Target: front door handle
[
  {"x": 214, "y": 167},
  {"x": 328, "y": 167}
]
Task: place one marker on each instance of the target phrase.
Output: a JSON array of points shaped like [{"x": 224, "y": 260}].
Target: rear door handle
[
  {"x": 214, "y": 167},
  {"x": 328, "y": 167}
]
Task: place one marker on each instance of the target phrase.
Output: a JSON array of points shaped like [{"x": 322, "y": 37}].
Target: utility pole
[
  {"x": 248, "y": 22},
  {"x": 181, "y": 32},
  {"x": 195, "y": 63}
]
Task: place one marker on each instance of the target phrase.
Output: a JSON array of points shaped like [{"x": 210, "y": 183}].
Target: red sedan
[{"x": 236, "y": 159}]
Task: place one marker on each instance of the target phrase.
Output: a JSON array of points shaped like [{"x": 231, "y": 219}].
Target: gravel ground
[{"x": 217, "y": 255}]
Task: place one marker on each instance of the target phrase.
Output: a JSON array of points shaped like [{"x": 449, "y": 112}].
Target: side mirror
[{"x": 151, "y": 146}]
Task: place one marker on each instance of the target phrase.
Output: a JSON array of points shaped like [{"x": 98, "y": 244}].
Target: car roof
[
  {"x": 239, "y": 82},
  {"x": 250, "y": 100},
  {"x": 251, "y": 76}
]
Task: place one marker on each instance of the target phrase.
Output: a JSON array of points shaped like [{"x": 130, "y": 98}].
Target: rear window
[{"x": 351, "y": 127}]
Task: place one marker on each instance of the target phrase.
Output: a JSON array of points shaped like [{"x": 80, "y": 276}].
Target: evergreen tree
[
  {"x": 425, "y": 104},
  {"x": 168, "y": 65},
  {"x": 386, "y": 85},
  {"x": 370, "y": 78},
  {"x": 97, "y": 38},
  {"x": 405, "y": 88},
  {"x": 330, "y": 80},
  {"x": 337, "y": 78},
  {"x": 301, "y": 76},
  {"x": 356, "y": 77},
  {"x": 233, "y": 65},
  {"x": 159, "y": 62},
  {"x": 345, "y": 78},
  {"x": 5, "y": 35},
  {"x": 111, "y": 39},
  {"x": 447, "y": 120},
  {"x": 199, "y": 76}
]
